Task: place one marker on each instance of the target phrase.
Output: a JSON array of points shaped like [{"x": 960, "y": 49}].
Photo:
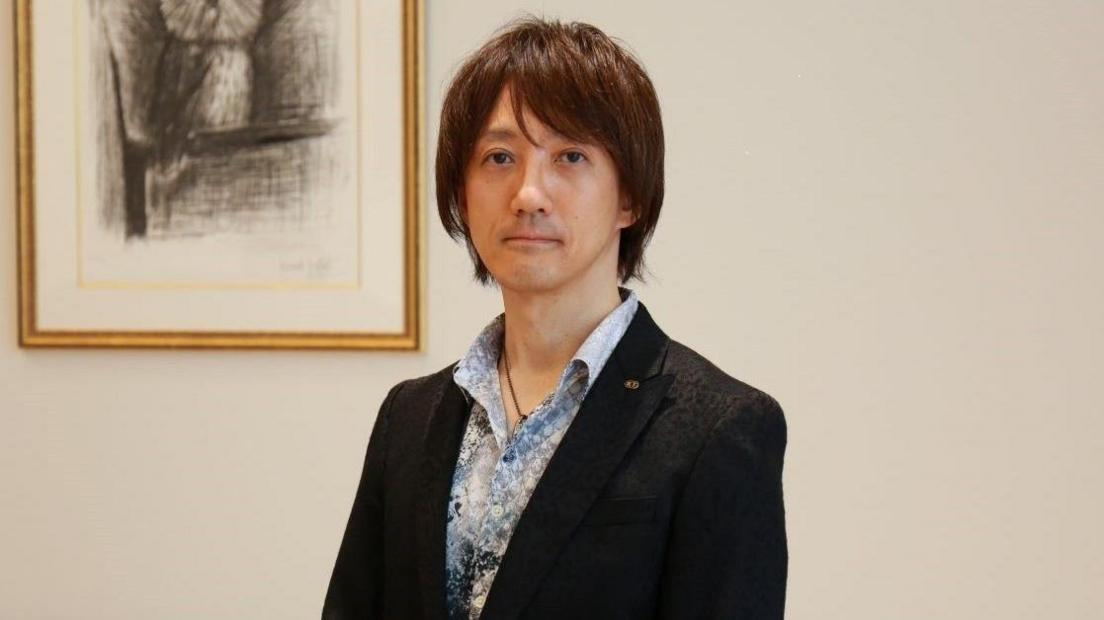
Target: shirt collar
[{"x": 477, "y": 371}]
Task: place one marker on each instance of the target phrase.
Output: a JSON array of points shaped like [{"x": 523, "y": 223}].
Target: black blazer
[{"x": 663, "y": 500}]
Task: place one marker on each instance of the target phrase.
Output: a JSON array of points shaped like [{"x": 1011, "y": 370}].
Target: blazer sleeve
[
  {"x": 727, "y": 554},
  {"x": 356, "y": 585}
]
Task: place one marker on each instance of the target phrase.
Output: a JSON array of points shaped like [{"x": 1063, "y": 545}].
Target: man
[{"x": 576, "y": 462}]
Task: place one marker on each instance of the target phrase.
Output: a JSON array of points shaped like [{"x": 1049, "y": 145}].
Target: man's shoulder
[
  {"x": 426, "y": 384},
  {"x": 698, "y": 379}
]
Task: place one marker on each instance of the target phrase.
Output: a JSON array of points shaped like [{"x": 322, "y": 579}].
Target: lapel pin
[{"x": 632, "y": 384}]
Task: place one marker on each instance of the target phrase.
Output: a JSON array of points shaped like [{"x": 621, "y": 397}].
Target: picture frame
[{"x": 249, "y": 176}]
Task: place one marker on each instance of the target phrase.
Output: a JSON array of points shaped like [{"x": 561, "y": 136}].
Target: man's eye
[
  {"x": 499, "y": 158},
  {"x": 574, "y": 157}
]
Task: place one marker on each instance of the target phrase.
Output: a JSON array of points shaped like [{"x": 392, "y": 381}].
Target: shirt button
[
  {"x": 497, "y": 510},
  {"x": 478, "y": 601}
]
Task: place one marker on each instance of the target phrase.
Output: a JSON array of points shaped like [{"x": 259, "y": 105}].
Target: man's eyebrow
[
  {"x": 507, "y": 133},
  {"x": 498, "y": 133}
]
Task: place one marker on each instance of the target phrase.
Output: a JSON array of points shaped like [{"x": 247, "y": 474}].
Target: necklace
[{"x": 509, "y": 380}]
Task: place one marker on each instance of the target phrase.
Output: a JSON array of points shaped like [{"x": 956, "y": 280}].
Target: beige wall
[{"x": 887, "y": 214}]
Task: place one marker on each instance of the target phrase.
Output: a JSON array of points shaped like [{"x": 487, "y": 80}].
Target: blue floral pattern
[{"x": 495, "y": 473}]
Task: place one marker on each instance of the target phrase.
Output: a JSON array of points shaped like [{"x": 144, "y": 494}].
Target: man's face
[{"x": 546, "y": 214}]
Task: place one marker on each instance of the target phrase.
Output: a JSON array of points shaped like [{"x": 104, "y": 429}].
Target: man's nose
[{"x": 532, "y": 193}]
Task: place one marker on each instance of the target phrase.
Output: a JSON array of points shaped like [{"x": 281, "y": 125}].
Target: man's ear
[
  {"x": 625, "y": 215},
  {"x": 462, "y": 206}
]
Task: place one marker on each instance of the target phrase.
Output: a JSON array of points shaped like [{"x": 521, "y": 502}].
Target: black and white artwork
[
  {"x": 219, "y": 119},
  {"x": 219, "y": 173}
]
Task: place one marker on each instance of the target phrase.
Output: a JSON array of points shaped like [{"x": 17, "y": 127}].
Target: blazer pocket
[{"x": 614, "y": 510}]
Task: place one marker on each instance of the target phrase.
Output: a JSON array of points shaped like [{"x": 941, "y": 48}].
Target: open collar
[{"x": 477, "y": 371}]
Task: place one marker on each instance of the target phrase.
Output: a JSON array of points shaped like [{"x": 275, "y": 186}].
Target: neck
[{"x": 545, "y": 328}]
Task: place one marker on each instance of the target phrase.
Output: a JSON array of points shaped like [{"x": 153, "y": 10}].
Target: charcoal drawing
[{"x": 213, "y": 115}]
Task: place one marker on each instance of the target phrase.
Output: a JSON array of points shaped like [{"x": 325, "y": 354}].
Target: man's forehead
[
  {"x": 507, "y": 124},
  {"x": 506, "y": 127}
]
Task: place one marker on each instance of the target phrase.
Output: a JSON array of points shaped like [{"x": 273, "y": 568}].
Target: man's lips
[
  {"x": 530, "y": 238},
  {"x": 526, "y": 244}
]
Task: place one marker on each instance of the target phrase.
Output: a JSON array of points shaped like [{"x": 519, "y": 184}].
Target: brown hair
[{"x": 577, "y": 81}]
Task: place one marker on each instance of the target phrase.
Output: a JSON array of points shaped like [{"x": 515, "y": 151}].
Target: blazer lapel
[
  {"x": 611, "y": 416},
  {"x": 442, "y": 446}
]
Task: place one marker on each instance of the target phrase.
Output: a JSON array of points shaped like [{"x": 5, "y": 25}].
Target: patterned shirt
[{"x": 495, "y": 473}]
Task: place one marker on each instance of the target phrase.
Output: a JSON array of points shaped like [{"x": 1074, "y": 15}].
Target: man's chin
[{"x": 529, "y": 281}]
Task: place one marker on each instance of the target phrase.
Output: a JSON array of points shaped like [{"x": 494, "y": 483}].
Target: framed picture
[{"x": 239, "y": 173}]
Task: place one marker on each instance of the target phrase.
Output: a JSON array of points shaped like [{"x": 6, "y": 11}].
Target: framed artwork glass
[{"x": 220, "y": 173}]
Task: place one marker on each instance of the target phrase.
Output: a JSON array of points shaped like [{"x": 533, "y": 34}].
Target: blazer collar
[{"x": 623, "y": 398}]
